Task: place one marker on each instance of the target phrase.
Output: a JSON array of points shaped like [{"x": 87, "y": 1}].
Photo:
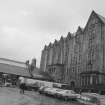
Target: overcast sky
[{"x": 27, "y": 25}]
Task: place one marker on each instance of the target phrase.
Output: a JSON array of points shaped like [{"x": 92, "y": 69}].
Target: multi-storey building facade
[{"x": 81, "y": 54}]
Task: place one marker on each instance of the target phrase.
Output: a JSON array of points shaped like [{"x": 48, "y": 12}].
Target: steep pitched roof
[
  {"x": 62, "y": 38},
  {"x": 93, "y": 13},
  {"x": 69, "y": 35},
  {"x": 101, "y": 18},
  {"x": 50, "y": 45},
  {"x": 55, "y": 42},
  {"x": 79, "y": 30},
  {"x": 45, "y": 47}
]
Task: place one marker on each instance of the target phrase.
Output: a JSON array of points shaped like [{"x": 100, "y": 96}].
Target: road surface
[{"x": 11, "y": 96}]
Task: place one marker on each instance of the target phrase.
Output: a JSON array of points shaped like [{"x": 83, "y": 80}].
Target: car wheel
[
  {"x": 66, "y": 98},
  {"x": 55, "y": 96}
]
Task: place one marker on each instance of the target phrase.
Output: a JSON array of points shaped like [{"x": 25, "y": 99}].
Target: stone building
[
  {"x": 56, "y": 71},
  {"x": 93, "y": 51},
  {"x": 81, "y": 54}
]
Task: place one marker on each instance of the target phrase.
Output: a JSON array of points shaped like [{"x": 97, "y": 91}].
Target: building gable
[
  {"x": 69, "y": 36},
  {"x": 93, "y": 19},
  {"x": 79, "y": 30}
]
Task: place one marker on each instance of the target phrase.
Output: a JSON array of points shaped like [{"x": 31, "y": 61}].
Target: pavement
[
  {"x": 102, "y": 99},
  {"x": 11, "y": 96}
]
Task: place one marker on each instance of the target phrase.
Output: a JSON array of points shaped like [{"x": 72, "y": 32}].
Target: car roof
[{"x": 90, "y": 94}]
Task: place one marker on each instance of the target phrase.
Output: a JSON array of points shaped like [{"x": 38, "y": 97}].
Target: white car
[
  {"x": 50, "y": 91},
  {"x": 42, "y": 89},
  {"x": 92, "y": 94},
  {"x": 56, "y": 91},
  {"x": 89, "y": 99},
  {"x": 7, "y": 84},
  {"x": 68, "y": 95}
]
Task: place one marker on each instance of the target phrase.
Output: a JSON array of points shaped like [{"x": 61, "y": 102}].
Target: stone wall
[{"x": 81, "y": 51}]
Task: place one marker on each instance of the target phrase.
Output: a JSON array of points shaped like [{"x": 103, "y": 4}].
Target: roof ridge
[
  {"x": 12, "y": 60},
  {"x": 12, "y": 65}
]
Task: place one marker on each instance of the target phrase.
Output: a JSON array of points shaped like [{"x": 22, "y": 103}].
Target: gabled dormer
[
  {"x": 50, "y": 45},
  {"x": 79, "y": 30},
  {"x": 62, "y": 38},
  {"x": 55, "y": 42},
  {"x": 45, "y": 47},
  {"x": 69, "y": 35}
]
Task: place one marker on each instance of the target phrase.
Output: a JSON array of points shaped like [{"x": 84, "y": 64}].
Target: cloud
[
  {"x": 25, "y": 13},
  {"x": 20, "y": 45},
  {"x": 27, "y": 25}
]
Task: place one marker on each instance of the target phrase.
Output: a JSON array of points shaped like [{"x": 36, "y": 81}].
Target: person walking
[{"x": 22, "y": 84}]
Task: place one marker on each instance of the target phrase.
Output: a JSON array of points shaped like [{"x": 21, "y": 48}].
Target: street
[{"x": 11, "y": 96}]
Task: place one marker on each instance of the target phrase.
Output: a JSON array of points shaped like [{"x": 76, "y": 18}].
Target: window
[
  {"x": 67, "y": 71},
  {"x": 73, "y": 69},
  {"x": 54, "y": 69},
  {"x": 78, "y": 69}
]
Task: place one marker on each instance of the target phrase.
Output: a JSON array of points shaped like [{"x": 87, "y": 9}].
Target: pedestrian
[
  {"x": 0, "y": 83},
  {"x": 22, "y": 84}
]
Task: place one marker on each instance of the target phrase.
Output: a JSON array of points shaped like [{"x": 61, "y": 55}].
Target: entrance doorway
[{"x": 72, "y": 84}]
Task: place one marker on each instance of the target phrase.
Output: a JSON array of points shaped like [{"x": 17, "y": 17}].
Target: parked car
[
  {"x": 92, "y": 94},
  {"x": 51, "y": 91},
  {"x": 55, "y": 91},
  {"x": 8, "y": 84},
  {"x": 67, "y": 95},
  {"x": 58, "y": 91},
  {"x": 89, "y": 99},
  {"x": 46, "y": 90},
  {"x": 41, "y": 89}
]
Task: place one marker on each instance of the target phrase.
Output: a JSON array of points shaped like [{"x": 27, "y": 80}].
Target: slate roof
[
  {"x": 5, "y": 59},
  {"x": 6, "y": 68}
]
